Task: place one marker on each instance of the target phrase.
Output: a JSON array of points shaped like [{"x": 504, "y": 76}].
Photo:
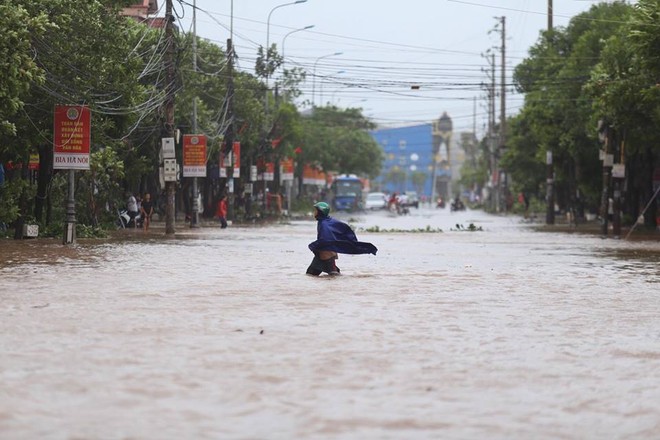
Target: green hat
[{"x": 323, "y": 208}]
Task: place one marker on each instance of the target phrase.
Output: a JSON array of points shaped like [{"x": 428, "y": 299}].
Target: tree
[
  {"x": 557, "y": 114},
  {"x": 18, "y": 73},
  {"x": 18, "y": 69},
  {"x": 338, "y": 140},
  {"x": 69, "y": 67},
  {"x": 626, "y": 97}
]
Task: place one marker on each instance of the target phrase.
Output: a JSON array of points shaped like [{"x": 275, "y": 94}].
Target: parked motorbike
[{"x": 124, "y": 220}]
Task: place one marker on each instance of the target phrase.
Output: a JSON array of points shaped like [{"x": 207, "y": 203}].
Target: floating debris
[{"x": 427, "y": 229}]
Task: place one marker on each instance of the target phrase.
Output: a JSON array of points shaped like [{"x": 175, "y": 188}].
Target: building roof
[{"x": 140, "y": 10}]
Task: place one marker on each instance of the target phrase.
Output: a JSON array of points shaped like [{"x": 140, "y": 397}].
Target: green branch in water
[
  {"x": 471, "y": 228},
  {"x": 427, "y": 229}
]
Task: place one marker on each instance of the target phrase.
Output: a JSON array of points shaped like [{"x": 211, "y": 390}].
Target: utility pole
[
  {"x": 168, "y": 130},
  {"x": 229, "y": 134},
  {"x": 490, "y": 130},
  {"x": 616, "y": 187},
  {"x": 550, "y": 170},
  {"x": 502, "y": 142},
  {"x": 608, "y": 160},
  {"x": 493, "y": 149},
  {"x": 194, "y": 216},
  {"x": 474, "y": 118},
  {"x": 549, "y": 183}
]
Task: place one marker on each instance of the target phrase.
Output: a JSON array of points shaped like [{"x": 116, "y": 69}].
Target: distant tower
[{"x": 441, "y": 179}]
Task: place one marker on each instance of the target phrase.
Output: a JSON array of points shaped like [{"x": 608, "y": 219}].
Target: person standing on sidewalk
[
  {"x": 146, "y": 210},
  {"x": 333, "y": 237},
  {"x": 132, "y": 208},
  {"x": 221, "y": 211}
]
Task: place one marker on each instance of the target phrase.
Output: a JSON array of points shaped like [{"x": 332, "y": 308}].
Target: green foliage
[
  {"x": 86, "y": 53},
  {"x": 80, "y": 53},
  {"x": 564, "y": 80},
  {"x": 10, "y": 194},
  {"x": 56, "y": 230},
  {"x": 474, "y": 172},
  {"x": 53, "y": 230},
  {"x": 521, "y": 160},
  {"x": 469, "y": 228},
  {"x": 267, "y": 63},
  {"x": 100, "y": 188},
  {"x": 289, "y": 82},
  {"x": 644, "y": 33},
  {"x": 84, "y": 231},
  {"x": 338, "y": 140},
  {"x": 18, "y": 69}
]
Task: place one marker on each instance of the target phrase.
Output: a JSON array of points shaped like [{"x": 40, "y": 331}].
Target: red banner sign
[
  {"x": 287, "y": 169},
  {"x": 194, "y": 155},
  {"x": 72, "y": 137},
  {"x": 313, "y": 176}
]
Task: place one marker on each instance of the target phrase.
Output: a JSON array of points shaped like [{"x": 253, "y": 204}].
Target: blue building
[{"x": 408, "y": 155}]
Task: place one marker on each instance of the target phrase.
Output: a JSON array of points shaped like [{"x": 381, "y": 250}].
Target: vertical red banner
[
  {"x": 287, "y": 169},
  {"x": 234, "y": 158},
  {"x": 71, "y": 137},
  {"x": 236, "y": 151}
]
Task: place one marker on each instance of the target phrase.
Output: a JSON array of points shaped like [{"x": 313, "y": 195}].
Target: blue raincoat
[{"x": 337, "y": 236}]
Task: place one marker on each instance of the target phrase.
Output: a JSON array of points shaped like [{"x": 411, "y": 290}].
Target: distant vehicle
[
  {"x": 457, "y": 205},
  {"x": 375, "y": 200},
  {"x": 347, "y": 192},
  {"x": 409, "y": 198}
]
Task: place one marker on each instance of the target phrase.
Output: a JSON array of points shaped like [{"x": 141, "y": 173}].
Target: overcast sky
[{"x": 387, "y": 47}]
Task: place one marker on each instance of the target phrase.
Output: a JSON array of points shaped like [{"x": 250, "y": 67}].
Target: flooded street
[{"x": 505, "y": 333}]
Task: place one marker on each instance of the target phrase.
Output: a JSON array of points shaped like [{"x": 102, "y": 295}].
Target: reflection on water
[{"x": 505, "y": 333}]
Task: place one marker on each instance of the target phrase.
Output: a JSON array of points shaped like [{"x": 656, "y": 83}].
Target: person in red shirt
[{"x": 221, "y": 212}]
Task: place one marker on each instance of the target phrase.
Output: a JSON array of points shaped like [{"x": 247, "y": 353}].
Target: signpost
[
  {"x": 71, "y": 145},
  {"x": 194, "y": 165}
]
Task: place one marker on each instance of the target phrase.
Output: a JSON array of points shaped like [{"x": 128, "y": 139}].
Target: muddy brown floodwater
[{"x": 504, "y": 333}]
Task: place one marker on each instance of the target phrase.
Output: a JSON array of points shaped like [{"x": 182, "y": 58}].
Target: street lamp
[
  {"x": 314, "y": 74},
  {"x": 294, "y": 31},
  {"x": 268, "y": 41}
]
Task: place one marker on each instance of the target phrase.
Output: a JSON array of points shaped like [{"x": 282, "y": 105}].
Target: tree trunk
[
  {"x": 44, "y": 177},
  {"x": 22, "y": 205}
]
